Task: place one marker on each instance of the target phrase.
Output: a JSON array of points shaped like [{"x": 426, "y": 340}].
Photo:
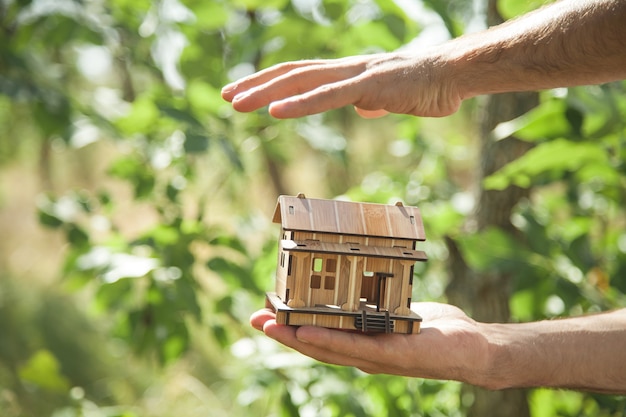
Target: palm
[{"x": 448, "y": 340}]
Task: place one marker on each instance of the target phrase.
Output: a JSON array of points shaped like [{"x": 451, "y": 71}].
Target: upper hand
[{"x": 374, "y": 84}]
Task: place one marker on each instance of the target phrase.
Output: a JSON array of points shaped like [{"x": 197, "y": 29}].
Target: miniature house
[{"x": 346, "y": 265}]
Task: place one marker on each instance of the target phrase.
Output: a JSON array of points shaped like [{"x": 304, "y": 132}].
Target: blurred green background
[{"x": 135, "y": 206}]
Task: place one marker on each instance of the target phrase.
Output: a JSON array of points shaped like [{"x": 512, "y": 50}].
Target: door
[
  {"x": 381, "y": 290},
  {"x": 323, "y": 280}
]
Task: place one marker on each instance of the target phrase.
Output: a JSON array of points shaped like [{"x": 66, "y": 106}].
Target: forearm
[
  {"x": 587, "y": 353},
  {"x": 568, "y": 43}
]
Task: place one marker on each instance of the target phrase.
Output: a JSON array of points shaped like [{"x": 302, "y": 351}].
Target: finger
[
  {"x": 326, "y": 97},
  {"x": 259, "y": 78},
  {"x": 351, "y": 344},
  {"x": 229, "y": 91},
  {"x": 287, "y": 335},
  {"x": 296, "y": 86},
  {"x": 397, "y": 354},
  {"x": 283, "y": 80},
  {"x": 372, "y": 353},
  {"x": 259, "y": 318}
]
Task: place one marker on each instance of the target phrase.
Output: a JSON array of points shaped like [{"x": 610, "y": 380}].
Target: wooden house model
[{"x": 346, "y": 265}]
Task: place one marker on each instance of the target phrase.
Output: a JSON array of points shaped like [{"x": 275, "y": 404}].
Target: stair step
[{"x": 373, "y": 322}]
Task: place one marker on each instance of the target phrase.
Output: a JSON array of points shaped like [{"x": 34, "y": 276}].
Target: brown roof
[{"x": 349, "y": 218}]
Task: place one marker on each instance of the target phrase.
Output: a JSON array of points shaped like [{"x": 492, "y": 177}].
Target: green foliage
[
  {"x": 552, "y": 159},
  {"x": 572, "y": 224},
  {"x": 511, "y": 8},
  {"x": 42, "y": 370},
  {"x": 167, "y": 251}
]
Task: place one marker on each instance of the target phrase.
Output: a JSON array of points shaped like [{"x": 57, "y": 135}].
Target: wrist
[{"x": 514, "y": 357}]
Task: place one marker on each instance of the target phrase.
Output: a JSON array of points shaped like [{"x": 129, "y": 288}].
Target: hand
[
  {"x": 450, "y": 345},
  {"x": 375, "y": 84}
]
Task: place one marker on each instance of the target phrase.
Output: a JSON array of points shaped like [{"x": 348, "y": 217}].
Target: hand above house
[
  {"x": 374, "y": 84},
  {"x": 567, "y": 43},
  {"x": 585, "y": 352}
]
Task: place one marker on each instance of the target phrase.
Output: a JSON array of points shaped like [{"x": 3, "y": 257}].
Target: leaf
[
  {"x": 229, "y": 149},
  {"x": 172, "y": 193},
  {"x": 49, "y": 219},
  {"x": 58, "y": 25},
  {"x": 546, "y": 121},
  {"x": 492, "y": 249},
  {"x": 396, "y": 26},
  {"x": 142, "y": 118},
  {"x": 44, "y": 371},
  {"x": 77, "y": 236},
  {"x": 575, "y": 118},
  {"x": 366, "y": 35},
  {"x": 441, "y": 218},
  {"x": 231, "y": 242},
  {"x": 163, "y": 235},
  {"x": 196, "y": 143},
  {"x": 53, "y": 116},
  {"x": 112, "y": 296},
  {"x": 513, "y": 8},
  {"x": 211, "y": 15},
  {"x": 557, "y": 156},
  {"x": 136, "y": 172},
  {"x": 233, "y": 274},
  {"x": 204, "y": 98},
  {"x": 599, "y": 172},
  {"x": 221, "y": 335},
  {"x": 443, "y": 10},
  {"x": 257, "y": 4},
  {"x": 180, "y": 115},
  {"x": 175, "y": 344},
  {"x": 524, "y": 305}
]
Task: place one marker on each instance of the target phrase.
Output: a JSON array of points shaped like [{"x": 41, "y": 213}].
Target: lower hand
[{"x": 449, "y": 346}]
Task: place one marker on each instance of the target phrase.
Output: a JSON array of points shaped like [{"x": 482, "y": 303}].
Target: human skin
[
  {"x": 586, "y": 352},
  {"x": 568, "y": 43}
]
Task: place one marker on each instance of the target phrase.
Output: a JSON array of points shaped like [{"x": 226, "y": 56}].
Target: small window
[
  {"x": 368, "y": 274},
  {"x": 292, "y": 210},
  {"x": 318, "y": 264},
  {"x": 412, "y": 219},
  {"x": 316, "y": 281},
  {"x": 282, "y": 259},
  {"x": 329, "y": 283},
  {"x": 331, "y": 265}
]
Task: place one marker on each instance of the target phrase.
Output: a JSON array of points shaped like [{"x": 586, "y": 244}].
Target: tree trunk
[{"x": 485, "y": 296}]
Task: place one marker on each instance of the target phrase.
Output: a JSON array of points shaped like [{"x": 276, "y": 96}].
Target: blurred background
[{"x": 135, "y": 206}]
